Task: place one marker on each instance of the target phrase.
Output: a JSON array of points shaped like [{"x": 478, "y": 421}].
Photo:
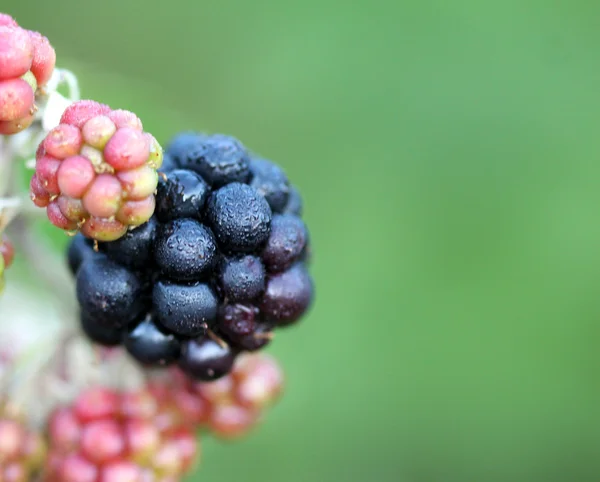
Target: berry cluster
[
  {"x": 221, "y": 263},
  {"x": 26, "y": 64},
  {"x": 112, "y": 436},
  {"x": 96, "y": 172},
  {"x": 231, "y": 406},
  {"x": 22, "y": 451},
  {"x": 7, "y": 253}
]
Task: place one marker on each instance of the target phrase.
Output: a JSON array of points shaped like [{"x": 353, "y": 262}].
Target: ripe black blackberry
[{"x": 218, "y": 268}]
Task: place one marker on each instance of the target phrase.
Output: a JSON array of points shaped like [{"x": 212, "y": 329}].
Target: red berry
[
  {"x": 217, "y": 392},
  {"x": 13, "y": 127},
  {"x": 64, "y": 430},
  {"x": 102, "y": 441},
  {"x": 79, "y": 113},
  {"x": 138, "y": 405},
  {"x": 16, "y": 52},
  {"x": 63, "y": 141},
  {"x": 96, "y": 403},
  {"x": 74, "y": 176},
  {"x": 7, "y": 251},
  {"x": 143, "y": 440},
  {"x": 135, "y": 213},
  {"x": 44, "y": 58},
  {"x": 103, "y": 229},
  {"x": 127, "y": 149},
  {"x": 57, "y": 218},
  {"x": 37, "y": 193},
  {"x": 168, "y": 459},
  {"x": 7, "y": 21},
  {"x": 72, "y": 209},
  {"x": 98, "y": 130},
  {"x": 75, "y": 468},
  {"x": 138, "y": 183},
  {"x": 124, "y": 118},
  {"x": 121, "y": 471},
  {"x": 16, "y": 99},
  {"x": 194, "y": 408},
  {"x": 103, "y": 197},
  {"x": 12, "y": 439},
  {"x": 188, "y": 447},
  {"x": 260, "y": 382},
  {"x": 231, "y": 421},
  {"x": 46, "y": 169}
]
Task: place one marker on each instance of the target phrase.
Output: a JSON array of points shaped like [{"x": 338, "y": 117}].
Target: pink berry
[
  {"x": 12, "y": 439},
  {"x": 7, "y": 251},
  {"x": 217, "y": 392},
  {"x": 143, "y": 440},
  {"x": 103, "y": 229},
  {"x": 37, "y": 192},
  {"x": 231, "y": 421},
  {"x": 15, "y": 472},
  {"x": 80, "y": 112},
  {"x": 138, "y": 183},
  {"x": 16, "y": 99},
  {"x": 102, "y": 441},
  {"x": 8, "y": 128},
  {"x": 96, "y": 403},
  {"x": 44, "y": 58},
  {"x": 168, "y": 459},
  {"x": 75, "y": 174},
  {"x": 192, "y": 406},
  {"x": 63, "y": 141},
  {"x": 262, "y": 383},
  {"x": 124, "y": 118},
  {"x": 7, "y": 21},
  {"x": 57, "y": 218},
  {"x": 135, "y": 213},
  {"x": 75, "y": 468},
  {"x": 64, "y": 430},
  {"x": 188, "y": 447},
  {"x": 138, "y": 405},
  {"x": 121, "y": 471},
  {"x": 127, "y": 149},
  {"x": 103, "y": 197},
  {"x": 98, "y": 130},
  {"x": 72, "y": 209},
  {"x": 16, "y": 52},
  {"x": 46, "y": 169}
]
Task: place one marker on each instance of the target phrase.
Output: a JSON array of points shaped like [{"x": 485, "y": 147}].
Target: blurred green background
[{"x": 449, "y": 155}]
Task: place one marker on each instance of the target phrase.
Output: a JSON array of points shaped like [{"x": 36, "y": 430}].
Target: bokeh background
[{"x": 449, "y": 156}]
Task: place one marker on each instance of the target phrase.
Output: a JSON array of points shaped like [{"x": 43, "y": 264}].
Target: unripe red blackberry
[
  {"x": 22, "y": 451},
  {"x": 26, "y": 63},
  {"x": 96, "y": 172},
  {"x": 112, "y": 436}
]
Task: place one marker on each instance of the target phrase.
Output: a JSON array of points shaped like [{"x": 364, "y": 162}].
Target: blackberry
[
  {"x": 271, "y": 182},
  {"x": 219, "y": 159},
  {"x": 217, "y": 268},
  {"x": 288, "y": 295},
  {"x": 260, "y": 337},
  {"x": 240, "y": 218},
  {"x": 101, "y": 334},
  {"x": 80, "y": 249},
  {"x": 237, "y": 320},
  {"x": 294, "y": 204},
  {"x": 242, "y": 279},
  {"x": 286, "y": 242},
  {"x": 108, "y": 293},
  {"x": 186, "y": 310},
  {"x": 185, "y": 250},
  {"x": 205, "y": 359},
  {"x": 182, "y": 195},
  {"x": 134, "y": 249},
  {"x": 151, "y": 345}
]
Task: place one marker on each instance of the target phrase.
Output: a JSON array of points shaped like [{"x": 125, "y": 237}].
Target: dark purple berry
[
  {"x": 80, "y": 249},
  {"x": 259, "y": 338},
  {"x": 270, "y": 181},
  {"x": 180, "y": 147},
  {"x": 286, "y": 242},
  {"x": 294, "y": 203},
  {"x": 110, "y": 294},
  {"x": 150, "y": 345},
  {"x": 185, "y": 310},
  {"x": 134, "y": 249},
  {"x": 237, "y": 320},
  {"x": 185, "y": 250},
  {"x": 103, "y": 335},
  {"x": 219, "y": 159},
  {"x": 204, "y": 359},
  {"x": 288, "y": 295},
  {"x": 182, "y": 195},
  {"x": 240, "y": 217},
  {"x": 242, "y": 279}
]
